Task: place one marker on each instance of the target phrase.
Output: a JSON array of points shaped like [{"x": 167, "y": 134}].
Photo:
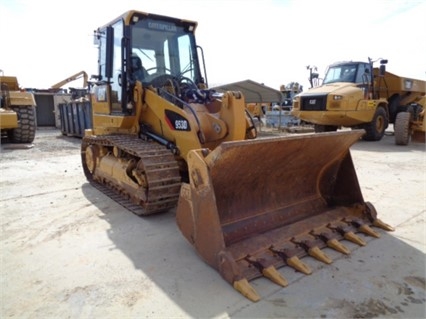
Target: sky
[{"x": 267, "y": 41}]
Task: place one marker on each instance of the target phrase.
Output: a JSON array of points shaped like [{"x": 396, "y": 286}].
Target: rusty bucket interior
[{"x": 254, "y": 206}]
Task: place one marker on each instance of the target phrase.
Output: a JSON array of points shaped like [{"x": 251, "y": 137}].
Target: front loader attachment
[{"x": 254, "y": 206}]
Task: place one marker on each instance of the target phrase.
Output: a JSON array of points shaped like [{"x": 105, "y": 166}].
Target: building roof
[{"x": 253, "y": 92}]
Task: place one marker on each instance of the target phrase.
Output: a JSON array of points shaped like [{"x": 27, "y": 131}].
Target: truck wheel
[
  {"x": 376, "y": 128},
  {"x": 324, "y": 128},
  {"x": 402, "y": 128},
  {"x": 25, "y": 132}
]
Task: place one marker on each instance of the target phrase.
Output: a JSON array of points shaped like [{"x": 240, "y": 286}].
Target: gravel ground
[{"x": 68, "y": 251}]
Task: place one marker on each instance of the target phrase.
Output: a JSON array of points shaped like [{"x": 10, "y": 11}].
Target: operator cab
[
  {"x": 350, "y": 72},
  {"x": 152, "y": 49}
]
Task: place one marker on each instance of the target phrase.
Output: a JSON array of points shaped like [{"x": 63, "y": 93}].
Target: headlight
[{"x": 337, "y": 97}]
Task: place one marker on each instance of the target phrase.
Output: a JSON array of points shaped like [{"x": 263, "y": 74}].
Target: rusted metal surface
[{"x": 265, "y": 203}]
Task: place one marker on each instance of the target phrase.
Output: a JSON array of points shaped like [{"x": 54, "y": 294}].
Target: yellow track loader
[{"x": 161, "y": 139}]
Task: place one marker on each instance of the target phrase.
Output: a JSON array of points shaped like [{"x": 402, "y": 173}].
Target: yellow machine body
[
  {"x": 410, "y": 125},
  {"x": 248, "y": 204},
  {"x": 356, "y": 95},
  {"x": 418, "y": 125},
  {"x": 17, "y": 111}
]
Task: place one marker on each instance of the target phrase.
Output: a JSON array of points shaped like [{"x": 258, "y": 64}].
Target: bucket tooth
[
  {"x": 354, "y": 238},
  {"x": 378, "y": 223},
  {"x": 375, "y": 221},
  {"x": 368, "y": 231},
  {"x": 291, "y": 259},
  {"x": 269, "y": 272},
  {"x": 327, "y": 237},
  {"x": 243, "y": 287},
  {"x": 362, "y": 227},
  {"x": 297, "y": 264},
  {"x": 319, "y": 255},
  {"x": 346, "y": 232},
  {"x": 272, "y": 274},
  {"x": 337, "y": 245},
  {"x": 311, "y": 248}
]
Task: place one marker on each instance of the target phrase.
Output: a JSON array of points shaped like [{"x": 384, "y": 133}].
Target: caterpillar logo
[{"x": 162, "y": 26}]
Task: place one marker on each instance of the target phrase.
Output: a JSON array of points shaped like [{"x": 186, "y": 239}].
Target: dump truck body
[
  {"x": 164, "y": 140},
  {"x": 356, "y": 95},
  {"x": 17, "y": 112}
]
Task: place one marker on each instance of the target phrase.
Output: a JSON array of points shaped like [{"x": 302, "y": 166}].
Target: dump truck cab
[{"x": 349, "y": 72}]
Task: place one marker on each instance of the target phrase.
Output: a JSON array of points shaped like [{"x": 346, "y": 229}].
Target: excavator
[
  {"x": 75, "y": 92},
  {"x": 162, "y": 140},
  {"x": 74, "y": 77}
]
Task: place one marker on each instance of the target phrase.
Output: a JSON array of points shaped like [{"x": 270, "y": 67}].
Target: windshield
[
  {"x": 341, "y": 73},
  {"x": 162, "y": 47}
]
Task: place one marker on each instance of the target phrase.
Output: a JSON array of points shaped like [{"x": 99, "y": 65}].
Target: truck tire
[
  {"x": 324, "y": 128},
  {"x": 375, "y": 130},
  {"x": 25, "y": 132},
  {"x": 402, "y": 128}
]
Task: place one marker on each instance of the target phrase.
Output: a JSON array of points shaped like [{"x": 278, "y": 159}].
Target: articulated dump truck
[
  {"x": 360, "y": 96},
  {"x": 17, "y": 111},
  {"x": 162, "y": 140}
]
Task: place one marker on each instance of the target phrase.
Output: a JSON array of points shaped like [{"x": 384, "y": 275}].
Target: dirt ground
[{"x": 68, "y": 251}]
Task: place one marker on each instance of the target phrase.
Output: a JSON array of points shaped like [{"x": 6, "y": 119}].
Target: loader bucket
[{"x": 254, "y": 206}]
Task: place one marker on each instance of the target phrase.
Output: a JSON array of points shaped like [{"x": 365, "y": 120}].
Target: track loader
[{"x": 161, "y": 139}]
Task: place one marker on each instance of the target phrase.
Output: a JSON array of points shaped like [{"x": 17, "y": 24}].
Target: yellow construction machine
[
  {"x": 76, "y": 93},
  {"x": 17, "y": 111},
  {"x": 74, "y": 77},
  {"x": 411, "y": 124},
  {"x": 161, "y": 139},
  {"x": 257, "y": 110},
  {"x": 360, "y": 96}
]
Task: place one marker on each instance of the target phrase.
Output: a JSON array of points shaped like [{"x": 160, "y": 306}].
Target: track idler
[{"x": 252, "y": 207}]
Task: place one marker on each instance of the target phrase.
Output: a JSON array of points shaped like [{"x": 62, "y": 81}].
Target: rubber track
[{"x": 161, "y": 169}]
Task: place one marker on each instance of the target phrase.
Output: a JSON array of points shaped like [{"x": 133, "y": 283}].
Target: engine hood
[{"x": 332, "y": 88}]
